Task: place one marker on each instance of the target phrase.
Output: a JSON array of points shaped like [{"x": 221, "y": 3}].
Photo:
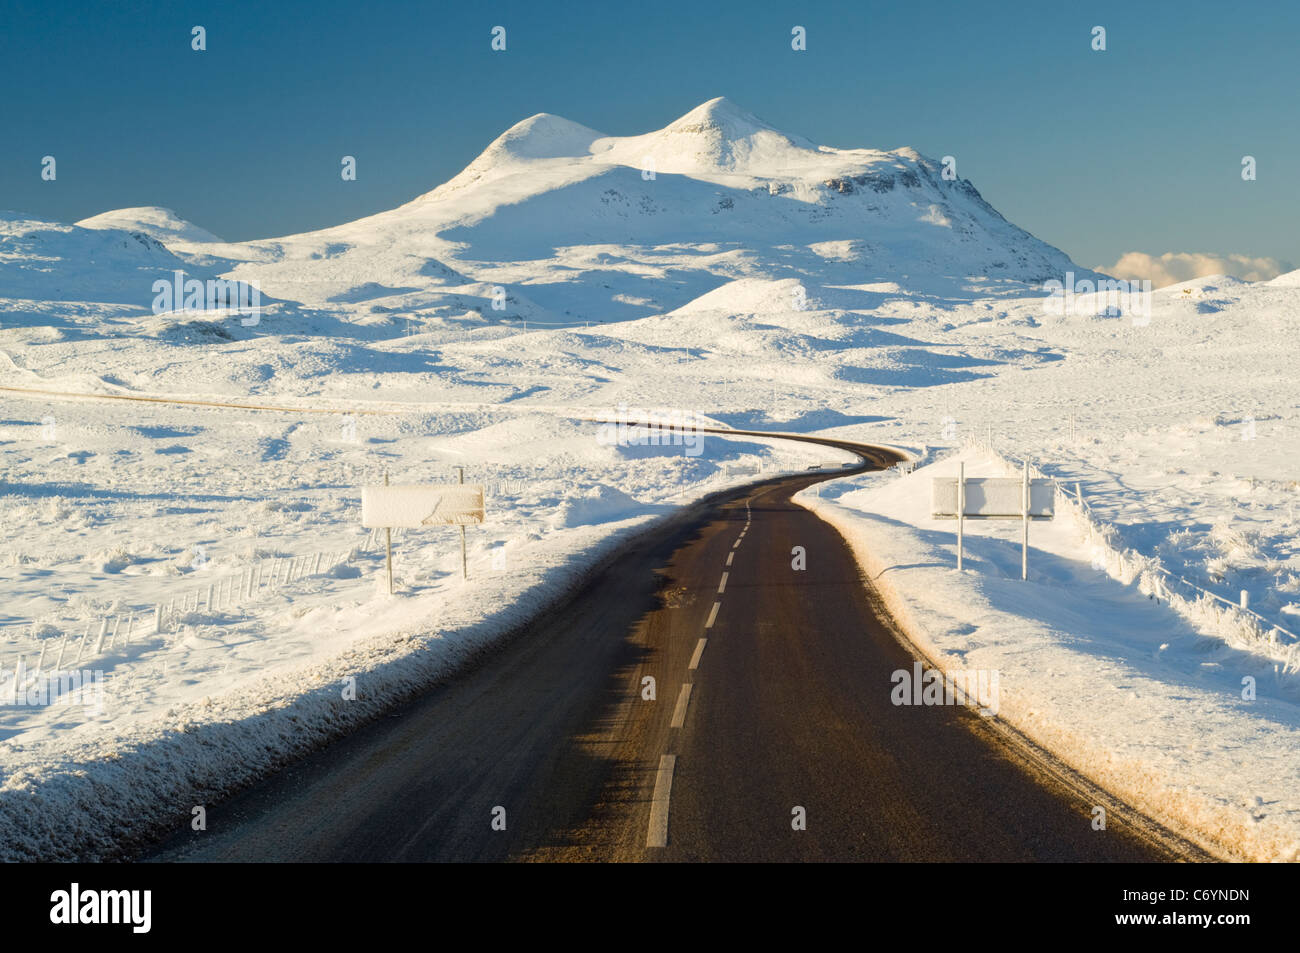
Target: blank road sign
[
  {"x": 992, "y": 498},
  {"x": 416, "y": 507}
]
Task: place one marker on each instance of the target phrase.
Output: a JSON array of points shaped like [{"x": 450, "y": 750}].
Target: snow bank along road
[{"x": 770, "y": 733}]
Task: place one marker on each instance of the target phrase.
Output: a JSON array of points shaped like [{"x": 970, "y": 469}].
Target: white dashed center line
[
  {"x": 723, "y": 585},
  {"x": 679, "y": 713},
  {"x": 713, "y": 614},
  {"x": 699, "y": 650},
  {"x": 658, "y": 833},
  {"x": 730, "y": 556}
]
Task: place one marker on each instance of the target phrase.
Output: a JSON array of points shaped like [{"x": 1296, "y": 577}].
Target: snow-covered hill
[
  {"x": 48, "y": 261},
  {"x": 160, "y": 223}
]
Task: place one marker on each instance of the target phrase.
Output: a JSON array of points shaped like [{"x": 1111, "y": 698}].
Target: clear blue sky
[{"x": 1136, "y": 148}]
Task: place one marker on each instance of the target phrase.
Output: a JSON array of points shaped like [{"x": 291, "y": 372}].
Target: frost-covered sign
[
  {"x": 993, "y": 498},
  {"x": 416, "y": 507}
]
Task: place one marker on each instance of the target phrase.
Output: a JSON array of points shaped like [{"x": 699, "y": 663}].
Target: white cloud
[{"x": 1175, "y": 266}]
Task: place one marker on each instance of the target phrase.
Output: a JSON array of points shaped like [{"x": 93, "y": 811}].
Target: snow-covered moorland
[{"x": 715, "y": 267}]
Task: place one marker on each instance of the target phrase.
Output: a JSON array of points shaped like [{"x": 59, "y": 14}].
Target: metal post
[
  {"x": 961, "y": 509},
  {"x": 1024, "y": 508},
  {"x": 464, "y": 566},
  {"x": 388, "y": 532}
]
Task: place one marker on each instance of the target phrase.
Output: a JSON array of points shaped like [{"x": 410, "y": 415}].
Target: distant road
[{"x": 772, "y": 694}]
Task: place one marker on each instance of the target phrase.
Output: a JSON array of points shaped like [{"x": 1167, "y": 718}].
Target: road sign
[
  {"x": 993, "y": 498},
  {"x": 419, "y": 507}
]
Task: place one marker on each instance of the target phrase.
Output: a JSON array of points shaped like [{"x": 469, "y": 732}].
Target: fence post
[
  {"x": 1024, "y": 513},
  {"x": 961, "y": 510}
]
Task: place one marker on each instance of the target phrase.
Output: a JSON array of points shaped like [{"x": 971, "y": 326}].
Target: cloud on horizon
[{"x": 1176, "y": 266}]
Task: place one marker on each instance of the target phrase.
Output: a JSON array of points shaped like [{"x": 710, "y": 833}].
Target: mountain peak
[
  {"x": 723, "y": 116},
  {"x": 716, "y": 136},
  {"x": 545, "y": 136},
  {"x": 540, "y": 136}
]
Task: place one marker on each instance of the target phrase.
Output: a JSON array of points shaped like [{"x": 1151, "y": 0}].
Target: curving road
[{"x": 770, "y": 735}]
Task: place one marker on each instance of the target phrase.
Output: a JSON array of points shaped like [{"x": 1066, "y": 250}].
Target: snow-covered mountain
[
  {"x": 574, "y": 225},
  {"x": 553, "y": 211},
  {"x": 160, "y": 223}
]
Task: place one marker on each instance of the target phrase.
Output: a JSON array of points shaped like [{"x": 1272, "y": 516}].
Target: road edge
[{"x": 1181, "y": 842}]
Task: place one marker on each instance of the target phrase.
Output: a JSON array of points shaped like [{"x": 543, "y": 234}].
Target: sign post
[
  {"x": 1024, "y": 513},
  {"x": 464, "y": 568},
  {"x": 961, "y": 508},
  {"x": 419, "y": 507},
  {"x": 388, "y": 532},
  {"x": 990, "y": 498}
]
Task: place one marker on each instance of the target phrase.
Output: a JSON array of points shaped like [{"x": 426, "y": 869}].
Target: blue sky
[{"x": 1137, "y": 148}]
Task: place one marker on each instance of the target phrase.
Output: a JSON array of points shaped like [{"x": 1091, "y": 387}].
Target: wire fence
[{"x": 108, "y": 633}]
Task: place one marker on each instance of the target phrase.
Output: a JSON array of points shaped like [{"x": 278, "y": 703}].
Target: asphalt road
[{"x": 771, "y": 735}]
